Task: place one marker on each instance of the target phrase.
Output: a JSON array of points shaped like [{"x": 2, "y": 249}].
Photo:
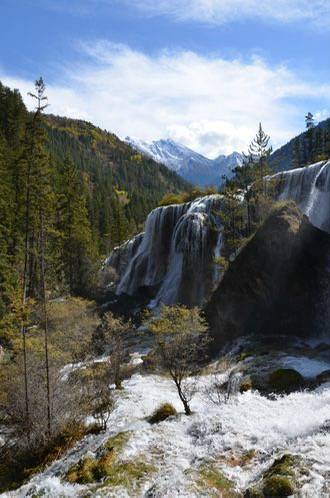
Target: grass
[
  {"x": 162, "y": 413},
  {"x": 107, "y": 469},
  {"x": 212, "y": 479},
  {"x": 128, "y": 473},
  {"x": 118, "y": 441}
]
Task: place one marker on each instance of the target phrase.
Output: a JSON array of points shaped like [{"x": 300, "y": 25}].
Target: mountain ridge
[{"x": 190, "y": 165}]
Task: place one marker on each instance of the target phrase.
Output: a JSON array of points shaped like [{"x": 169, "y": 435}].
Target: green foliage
[
  {"x": 181, "y": 342},
  {"x": 311, "y": 146},
  {"x": 162, "y": 413},
  {"x": 121, "y": 185},
  {"x": 188, "y": 196},
  {"x": 211, "y": 478},
  {"x": 69, "y": 191},
  {"x": 108, "y": 468},
  {"x": 177, "y": 320},
  {"x": 247, "y": 198}
]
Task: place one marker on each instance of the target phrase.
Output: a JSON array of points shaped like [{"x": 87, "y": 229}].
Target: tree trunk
[
  {"x": 44, "y": 302},
  {"x": 185, "y": 403},
  {"x": 24, "y": 296}
]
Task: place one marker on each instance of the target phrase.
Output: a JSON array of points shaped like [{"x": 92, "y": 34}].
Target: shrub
[
  {"x": 19, "y": 463},
  {"x": 285, "y": 380},
  {"x": 246, "y": 385},
  {"x": 162, "y": 413}
]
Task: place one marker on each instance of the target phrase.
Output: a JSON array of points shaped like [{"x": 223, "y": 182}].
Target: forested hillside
[
  {"x": 311, "y": 146},
  {"x": 122, "y": 186},
  {"x": 72, "y": 188}
]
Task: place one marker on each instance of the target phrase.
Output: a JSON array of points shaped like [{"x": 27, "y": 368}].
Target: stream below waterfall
[{"x": 221, "y": 435}]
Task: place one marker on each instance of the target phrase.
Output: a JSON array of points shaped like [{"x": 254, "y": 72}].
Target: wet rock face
[
  {"x": 173, "y": 261},
  {"x": 275, "y": 285},
  {"x": 309, "y": 187},
  {"x": 175, "y": 255}
]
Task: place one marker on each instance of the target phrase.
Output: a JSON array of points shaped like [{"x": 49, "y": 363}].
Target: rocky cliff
[
  {"x": 174, "y": 260},
  {"x": 278, "y": 284}
]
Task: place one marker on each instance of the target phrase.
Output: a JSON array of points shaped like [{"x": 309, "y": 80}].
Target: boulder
[
  {"x": 285, "y": 380},
  {"x": 323, "y": 377},
  {"x": 275, "y": 286}
]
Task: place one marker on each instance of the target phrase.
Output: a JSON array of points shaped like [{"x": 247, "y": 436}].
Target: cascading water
[
  {"x": 309, "y": 187},
  {"x": 175, "y": 255}
]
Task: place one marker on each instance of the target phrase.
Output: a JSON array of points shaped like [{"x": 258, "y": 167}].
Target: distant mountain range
[{"x": 193, "y": 167}]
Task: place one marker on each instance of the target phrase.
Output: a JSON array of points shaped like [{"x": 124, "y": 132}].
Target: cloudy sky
[{"x": 202, "y": 72}]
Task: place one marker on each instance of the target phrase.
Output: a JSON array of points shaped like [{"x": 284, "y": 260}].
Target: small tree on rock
[{"x": 181, "y": 342}]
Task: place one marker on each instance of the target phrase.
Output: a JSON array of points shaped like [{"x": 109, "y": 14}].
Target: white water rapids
[{"x": 219, "y": 434}]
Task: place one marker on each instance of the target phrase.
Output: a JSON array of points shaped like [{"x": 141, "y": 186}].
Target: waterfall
[
  {"x": 309, "y": 187},
  {"x": 175, "y": 255},
  {"x": 233, "y": 384}
]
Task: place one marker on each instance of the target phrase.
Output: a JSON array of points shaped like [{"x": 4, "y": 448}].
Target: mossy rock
[
  {"x": 278, "y": 480},
  {"x": 285, "y": 380},
  {"x": 162, "y": 413},
  {"x": 278, "y": 486},
  {"x": 211, "y": 478},
  {"x": 104, "y": 465},
  {"x": 246, "y": 385},
  {"x": 282, "y": 466},
  {"x": 106, "y": 468}
]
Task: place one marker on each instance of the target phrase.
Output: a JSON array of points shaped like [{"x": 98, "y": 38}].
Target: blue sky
[{"x": 203, "y": 72}]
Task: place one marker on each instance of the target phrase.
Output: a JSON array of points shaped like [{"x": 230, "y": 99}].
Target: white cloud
[
  {"x": 322, "y": 114},
  {"x": 210, "y": 104},
  {"x": 316, "y": 12}
]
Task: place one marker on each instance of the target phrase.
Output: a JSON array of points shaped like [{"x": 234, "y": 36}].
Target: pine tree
[
  {"x": 119, "y": 228},
  {"x": 310, "y": 122},
  {"x": 309, "y": 138},
  {"x": 296, "y": 153},
  {"x": 41, "y": 202},
  {"x": 78, "y": 252},
  {"x": 259, "y": 152}
]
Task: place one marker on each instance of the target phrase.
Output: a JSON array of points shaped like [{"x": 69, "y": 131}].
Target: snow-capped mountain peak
[{"x": 191, "y": 165}]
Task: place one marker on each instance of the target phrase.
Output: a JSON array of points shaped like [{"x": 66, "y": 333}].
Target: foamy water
[{"x": 216, "y": 433}]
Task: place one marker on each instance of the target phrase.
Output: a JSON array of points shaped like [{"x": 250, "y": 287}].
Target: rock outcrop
[{"x": 277, "y": 284}]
